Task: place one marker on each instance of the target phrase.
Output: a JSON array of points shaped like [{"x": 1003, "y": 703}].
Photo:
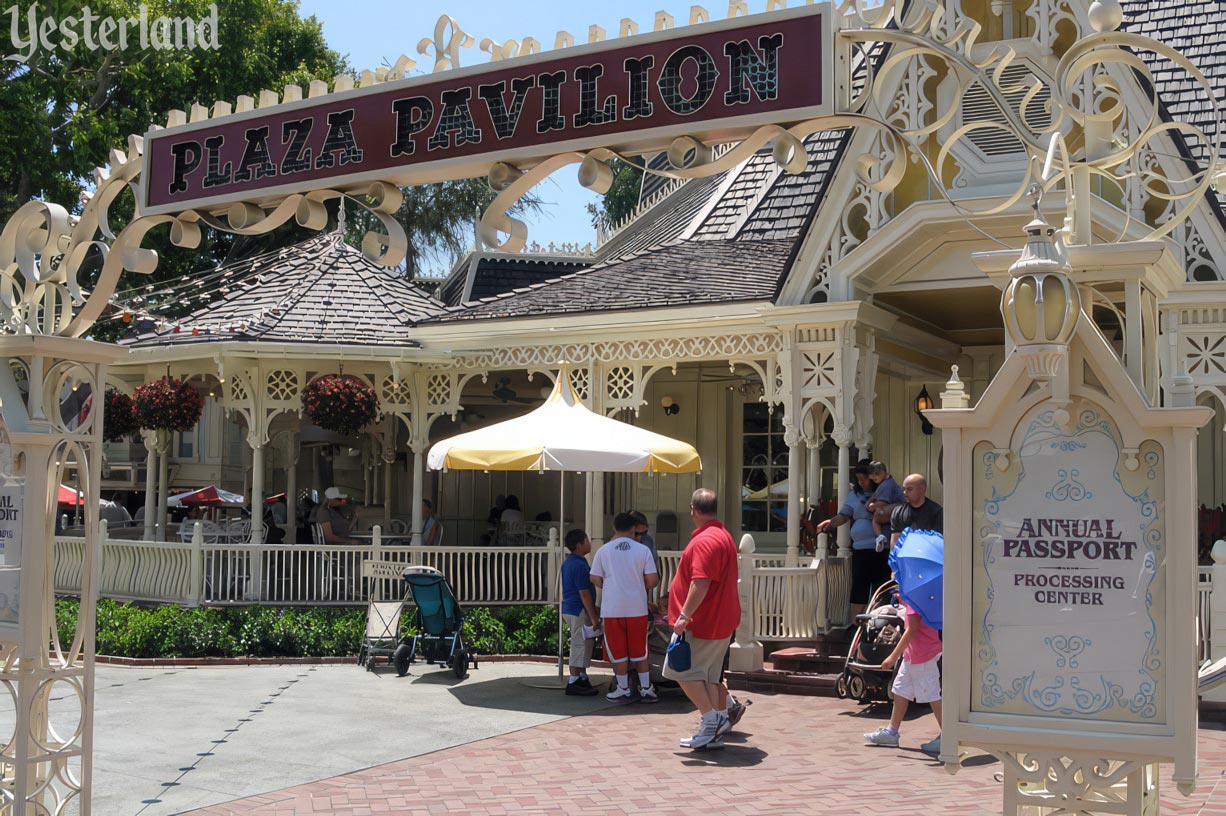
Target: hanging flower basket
[
  {"x": 340, "y": 403},
  {"x": 119, "y": 416},
  {"x": 167, "y": 405}
]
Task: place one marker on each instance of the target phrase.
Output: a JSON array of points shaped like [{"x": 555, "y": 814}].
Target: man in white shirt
[{"x": 625, "y": 571}]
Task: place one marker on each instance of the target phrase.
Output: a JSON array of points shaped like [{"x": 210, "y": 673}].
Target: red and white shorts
[{"x": 625, "y": 639}]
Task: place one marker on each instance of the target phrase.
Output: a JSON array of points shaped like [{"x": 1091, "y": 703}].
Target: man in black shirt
[{"x": 919, "y": 512}]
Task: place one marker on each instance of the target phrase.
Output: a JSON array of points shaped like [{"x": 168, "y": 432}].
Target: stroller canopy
[{"x": 438, "y": 612}]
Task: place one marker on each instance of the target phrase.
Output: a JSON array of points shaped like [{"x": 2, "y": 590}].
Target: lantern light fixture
[{"x": 923, "y": 402}]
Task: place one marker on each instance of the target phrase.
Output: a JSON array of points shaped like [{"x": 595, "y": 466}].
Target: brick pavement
[{"x": 791, "y": 755}]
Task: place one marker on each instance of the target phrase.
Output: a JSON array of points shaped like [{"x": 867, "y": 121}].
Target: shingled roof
[
  {"x": 493, "y": 273},
  {"x": 728, "y": 237},
  {"x": 1195, "y": 29},
  {"x": 317, "y": 291},
  {"x": 679, "y": 274}
]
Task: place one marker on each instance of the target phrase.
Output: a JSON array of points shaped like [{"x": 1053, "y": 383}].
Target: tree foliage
[
  {"x": 623, "y": 195},
  {"x": 64, "y": 110}
]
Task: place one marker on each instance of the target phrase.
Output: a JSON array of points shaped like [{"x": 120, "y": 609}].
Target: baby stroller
[
  {"x": 877, "y": 633},
  {"x": 438, "y": 618}
]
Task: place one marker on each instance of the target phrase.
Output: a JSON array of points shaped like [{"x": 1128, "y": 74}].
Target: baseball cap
[{"x": 334, "y": 493}]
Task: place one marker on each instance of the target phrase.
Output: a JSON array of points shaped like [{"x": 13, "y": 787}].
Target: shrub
[{"x": 126, "y": 630}]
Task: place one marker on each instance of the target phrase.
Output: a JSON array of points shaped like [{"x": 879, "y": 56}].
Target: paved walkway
[{"x": 791, "y": 755}]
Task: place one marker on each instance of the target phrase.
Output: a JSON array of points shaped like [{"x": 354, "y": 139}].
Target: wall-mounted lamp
[
  {"x": 923, "y": 402},
  {"x": 670, "y": 408}
]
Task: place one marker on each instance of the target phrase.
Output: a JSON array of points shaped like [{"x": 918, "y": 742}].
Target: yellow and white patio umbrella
[{"x": 564, "y": 435}]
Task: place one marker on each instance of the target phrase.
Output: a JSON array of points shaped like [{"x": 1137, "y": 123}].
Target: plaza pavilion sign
[{"x": 716, "y": 82}]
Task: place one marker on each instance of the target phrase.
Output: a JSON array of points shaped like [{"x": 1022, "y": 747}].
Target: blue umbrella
[{"x": 919, "y": 565}]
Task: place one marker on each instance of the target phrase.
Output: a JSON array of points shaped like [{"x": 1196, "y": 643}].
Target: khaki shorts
[
  {"x": 580, "y": 647},
  {"x": 707, "y": 660}
]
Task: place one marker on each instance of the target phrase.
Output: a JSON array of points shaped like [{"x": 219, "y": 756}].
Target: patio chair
[
  {"x": 382, "y": 632},
  {"x": 332, "y": 582},
  {"x": 398, "y": 527}
]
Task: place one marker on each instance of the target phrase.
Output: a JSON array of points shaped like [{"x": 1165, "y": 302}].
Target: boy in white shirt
[{"x": 625, "y": 571}]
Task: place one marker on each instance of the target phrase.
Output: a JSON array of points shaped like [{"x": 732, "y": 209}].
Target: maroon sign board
[{"x": 715, "y": 81}]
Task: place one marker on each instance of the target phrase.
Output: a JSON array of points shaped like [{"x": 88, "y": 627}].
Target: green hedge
[{"x": 125, "y": 630}]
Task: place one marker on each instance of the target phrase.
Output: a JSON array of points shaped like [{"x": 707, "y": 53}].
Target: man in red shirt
[{"x": 703, "y": 604}]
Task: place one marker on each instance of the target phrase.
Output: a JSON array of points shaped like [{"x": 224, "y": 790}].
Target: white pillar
[
  {"x": 163, "y": 479},
  {"x": 387, "y": 493},
  {"x": 597, "y": 531},
  {"x": 291, "y": 488},
  {"x": 745, "y": 654},
  {"x": 844, "y": 479},
  {"x": 813, "y": 483},
  {"x": 256, "y": 559},
  {"x": 151, "y": 476},
  {"x": 794, "y": 510},
  {"x": 419, "y": 489}
]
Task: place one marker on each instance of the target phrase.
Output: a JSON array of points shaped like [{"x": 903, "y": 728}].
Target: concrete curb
[{"x": 165, "y": 662}]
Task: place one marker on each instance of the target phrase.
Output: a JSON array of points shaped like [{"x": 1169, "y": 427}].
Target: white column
[
  {"x": 151, "y": 477},
  {"x": 389, "y": 457},
  {"x": 256, "y": 559},
  {"x": 795, "y": 470},
  {"x": 419, "y": 489},
  {"x": 745, "y": 654},
  {"x": 844, "y": 479},
  {"x": 597, "y": 531},
  {"x": 813, "y": 482},
  {"x": 291, "y": 488},
  {"x": 163, "y": 479}
]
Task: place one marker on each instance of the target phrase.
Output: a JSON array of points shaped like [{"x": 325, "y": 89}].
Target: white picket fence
[{"x": 788, "y": 603}]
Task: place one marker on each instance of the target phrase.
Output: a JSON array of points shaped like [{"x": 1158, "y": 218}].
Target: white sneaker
[
  {"x": 619, "y": 694},
  {"x": 708, "y": 733},
  {"x": 649, "y": 695},
  {"x": 725, "y": 725}
]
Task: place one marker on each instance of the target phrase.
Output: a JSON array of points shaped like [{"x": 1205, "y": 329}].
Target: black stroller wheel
[
  {"x": 840, "y": 686},
  {"x": 362, "y": 655},
  {"x": 856, "y": 688},
  {"x": 459, "y": 664},
  {"x": 404, "y": 653}
]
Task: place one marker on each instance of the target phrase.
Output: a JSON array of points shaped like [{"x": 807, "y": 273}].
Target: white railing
[
  {"x": 1204, "y": 614},
  {"x": 798, "y": 603},
  {"x": 785, "y": 603},
  {"x": 195, "y": 573}
]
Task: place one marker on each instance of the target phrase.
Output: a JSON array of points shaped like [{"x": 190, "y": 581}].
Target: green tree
[
  {"x": 623, "y": 195},
  {"x": 65, "y": 109}
]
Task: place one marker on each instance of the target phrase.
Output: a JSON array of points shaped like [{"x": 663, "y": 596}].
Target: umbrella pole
[{"x": 561, "y": 555}]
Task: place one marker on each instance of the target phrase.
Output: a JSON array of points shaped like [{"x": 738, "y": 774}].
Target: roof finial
[
  {"x": 340, "y": 219},
  {"x": 1036, "y": 197}
]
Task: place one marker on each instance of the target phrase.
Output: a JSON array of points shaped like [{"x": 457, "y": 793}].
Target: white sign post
[{"x": 1070, "y": 578}]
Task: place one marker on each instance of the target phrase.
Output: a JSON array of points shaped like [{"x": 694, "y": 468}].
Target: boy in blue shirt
[{"x": 579, "y": 610}]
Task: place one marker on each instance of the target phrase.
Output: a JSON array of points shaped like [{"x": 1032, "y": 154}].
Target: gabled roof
[
  {"x": 690, "y": 247},
  {"x": 317, "y": 291},
  {"x": 493, "y": 273},
  {"x": 679, "y": 274}
]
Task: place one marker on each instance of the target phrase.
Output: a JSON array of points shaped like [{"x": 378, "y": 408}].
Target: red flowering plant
[
  {"x": 119, "y": 416},
  {"x": 340, "y": 403},
  {"x": 167, "y": 405}
]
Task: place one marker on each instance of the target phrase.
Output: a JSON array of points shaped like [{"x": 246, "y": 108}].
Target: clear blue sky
[{"x": 376, "y": 32}]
